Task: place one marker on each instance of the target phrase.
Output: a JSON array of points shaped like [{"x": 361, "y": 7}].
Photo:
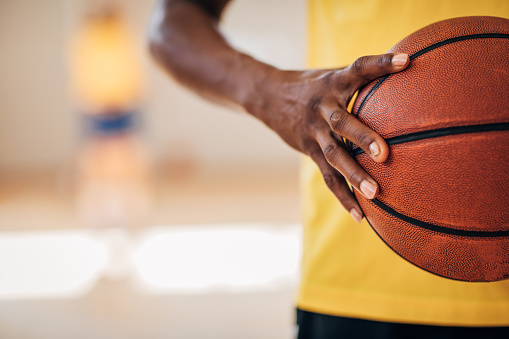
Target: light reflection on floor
[
  {"x": 172, "y": 259},
  {"x": 186, "y": 282},
  {"x": 81, "y": 283}
]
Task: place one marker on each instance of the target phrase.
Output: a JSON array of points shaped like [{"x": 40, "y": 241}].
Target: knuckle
[
  {"x": 330, "y": 180},
  {"x": 383, "y": 61},
  {"x": 363, "y": 138},
  {"x": 360, "y": 68},
  {"x": 344, "y": 79},
  {"x": 354, "y": 177},
  {"x": 329, "y": 150},
  {"x": 338, "y": 121},
  {"x": 314, "y": 104},
  {"x": 359, "y": 65}
]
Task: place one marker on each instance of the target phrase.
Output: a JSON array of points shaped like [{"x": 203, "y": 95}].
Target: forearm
[
  {"x": 307, "y": 109},
  {"x": 185, "y": 41}
]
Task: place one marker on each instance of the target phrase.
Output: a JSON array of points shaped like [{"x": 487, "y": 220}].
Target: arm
[
  {"x": 185, "y": 41},
  {"x": 306, "y": 108}
]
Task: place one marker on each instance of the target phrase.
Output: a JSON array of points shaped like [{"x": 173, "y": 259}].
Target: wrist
[{"x": 256, "y": 79}]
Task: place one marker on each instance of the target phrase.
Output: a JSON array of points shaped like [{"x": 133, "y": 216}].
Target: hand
[{"x": 309, "y": 111}]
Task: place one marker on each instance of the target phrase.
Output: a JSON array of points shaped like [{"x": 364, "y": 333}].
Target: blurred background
[{"x": 129, "y": 208}]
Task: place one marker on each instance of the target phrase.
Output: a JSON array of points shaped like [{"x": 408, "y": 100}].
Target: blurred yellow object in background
[
  {"x": 113, "y": 170},
  {"x": 114, "y": 183},
  {"x": 106, "y": 73}
]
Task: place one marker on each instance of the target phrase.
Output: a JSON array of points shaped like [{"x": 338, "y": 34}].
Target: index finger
[{"x": 348, "y": 126}]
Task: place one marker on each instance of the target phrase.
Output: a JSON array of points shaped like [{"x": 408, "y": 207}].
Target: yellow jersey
[{"x": 346, "y": 269}]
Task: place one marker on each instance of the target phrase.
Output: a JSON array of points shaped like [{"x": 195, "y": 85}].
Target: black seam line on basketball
[
  {"x": 407, "y": 260},
  {"x": 439, "y": 229},
  {"x": 366, "y": 98},
  {"x": 430, "y": 48},
  {"x": 400, "y": 139}
]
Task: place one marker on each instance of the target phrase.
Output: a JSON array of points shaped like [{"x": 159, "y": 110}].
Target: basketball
[{"x": 444, "y": 190}]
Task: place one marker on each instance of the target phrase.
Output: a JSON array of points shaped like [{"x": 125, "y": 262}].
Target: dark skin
[{"x": 307, "y": 109}]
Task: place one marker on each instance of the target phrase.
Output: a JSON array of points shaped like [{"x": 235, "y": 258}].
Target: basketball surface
[{"x": 444, "y": 190}]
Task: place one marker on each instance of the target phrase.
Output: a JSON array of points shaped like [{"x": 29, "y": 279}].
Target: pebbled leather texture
[{"x": 461, "y": 181}]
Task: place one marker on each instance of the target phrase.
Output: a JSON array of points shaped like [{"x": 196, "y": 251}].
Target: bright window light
[
  {"x": 231, "y": 258},
  {"x": 172, "y": 259},
  {"x": 49, "y": 264}
]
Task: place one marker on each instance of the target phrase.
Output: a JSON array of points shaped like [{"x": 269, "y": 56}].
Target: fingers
[
  {"x": 362, "y": 71},
  {"x": 338, "y": 157},
  {"x": 337, "y": 184},
  {"x": 348, "y": 126},
  {"x": 368, "y": 68}
]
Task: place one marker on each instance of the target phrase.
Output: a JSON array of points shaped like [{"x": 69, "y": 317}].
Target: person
[{"x": 352, "y": 285}]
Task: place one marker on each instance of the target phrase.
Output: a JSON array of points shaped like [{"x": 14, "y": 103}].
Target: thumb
[{"x": 368, "y": 68}]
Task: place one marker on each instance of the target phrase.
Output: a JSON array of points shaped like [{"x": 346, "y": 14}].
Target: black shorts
[{"x": 321, "y": 326}]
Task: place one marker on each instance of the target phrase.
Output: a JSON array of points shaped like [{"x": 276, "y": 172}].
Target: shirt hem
[{"x": 436, "y": 312}]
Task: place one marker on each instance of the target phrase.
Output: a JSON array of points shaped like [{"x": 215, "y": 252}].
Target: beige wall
[
  {"x": 35, "y": 118},
  {"x": 39, "y": 125}
]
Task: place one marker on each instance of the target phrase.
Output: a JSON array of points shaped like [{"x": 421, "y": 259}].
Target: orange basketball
[{"x": 444, "y": 190}]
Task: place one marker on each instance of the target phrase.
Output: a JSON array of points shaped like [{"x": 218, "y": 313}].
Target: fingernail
[
  {"x": 399, "y": 59},
  {"x": 374, "y": 149},
  {"x": 368, "y": 189},
  {"x": 356, "y": 215}
]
